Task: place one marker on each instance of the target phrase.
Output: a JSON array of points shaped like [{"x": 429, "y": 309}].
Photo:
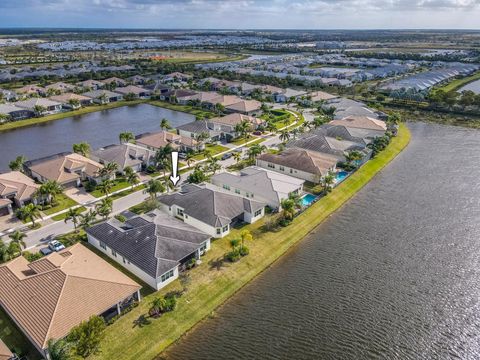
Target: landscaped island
[{"x": 134, "y": 336}]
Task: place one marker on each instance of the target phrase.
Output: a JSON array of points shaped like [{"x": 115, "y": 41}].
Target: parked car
[
  {"x": 56, "y": 245},
  {"x": 182, "y": 156},
  {"x": 258, "y": 133},
  {"x": 226, "y": 156},
  {"x": 45, "y": 251}
]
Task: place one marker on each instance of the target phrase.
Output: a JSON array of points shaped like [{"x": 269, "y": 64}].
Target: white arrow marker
[{"x": 174, "y": 178}]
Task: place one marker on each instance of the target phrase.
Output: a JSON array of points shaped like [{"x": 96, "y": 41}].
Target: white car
[{"x": 56, "y": 245}]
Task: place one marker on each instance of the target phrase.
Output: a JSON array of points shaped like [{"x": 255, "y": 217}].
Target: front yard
[
  {"x": 215, "y": 280},
  {"x": 62, "y": 202},
  {"x": 213, "y": 149}
]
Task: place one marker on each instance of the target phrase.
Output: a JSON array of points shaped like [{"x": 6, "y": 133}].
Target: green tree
[
  {"x": 17, "y": 238},
  {"x": 74, "y": 103},
  {"x": 243, "y": 129},
  {"x": 108, "y": 170},
  {"x": 29, "y": 212},
  {"x": 49, "y": 191},
  {"x": 131, "y": 176},
  {"x": 106, "y": 186},
  {"x": 327, "y": 181},
  {"x": 190, "y": 158},
  {"x": 59, "y": 350},
  {"x": 284, "y": 135},
  {"x": 288, "y": 208},
  {"x": 82, "y": 148},
  {"x": 73, "y": 216},
  {"x": 17, "y": 164},
  {"x": 255, "y": 150},
  {"x": 39, "y": 110},
  {"x": 104, "y": 208},
  {"x": 8, "y": 252},
  {"x": 126, "y": 136},
  {"x": 197, "y": 176},
  {"x": 164, "y": 124},
  {"x": 154, "y": 187},
  {"x": 237, "y": 156},
  {"x": 87, "y": 336},
  {"x": 87, "y": 219},
  {"x": 213, "y": 165}
]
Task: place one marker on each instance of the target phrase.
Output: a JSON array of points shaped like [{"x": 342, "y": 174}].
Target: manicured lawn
[
  {"x": 214, "y": 281},
  {"x": 183, "y": 108},
  {"x": 120, "y": 184},
  {"x": 85, "y": 110},
  {"x": 63, "y": 202},
  {"x": 63, "y": 216},
  {"x": 214, "y": 150},
  {"x": 14, "y": 338},
  {"x": 256, "y": 141},
  {"x": 241, "y": 140}
]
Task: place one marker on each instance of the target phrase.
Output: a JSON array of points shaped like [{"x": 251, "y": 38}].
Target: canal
[
  {"x": 98, "y": 129},
  {"x": 395, "y": 274},
  {"x": 473, "y": 86}
]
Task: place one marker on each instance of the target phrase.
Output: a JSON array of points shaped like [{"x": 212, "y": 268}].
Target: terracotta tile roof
[
  {"x": 65, "y": 98},
  {"x": 225, "y": 100},
  {"x": 47, "y": 298},
  {"x": 236, "y": 118},
  {"x": 5, "y": 353},
  {"x": 18, "y": 183},
  {"x": 245, "y": 106},
  {"x": 161, "y": 139}
]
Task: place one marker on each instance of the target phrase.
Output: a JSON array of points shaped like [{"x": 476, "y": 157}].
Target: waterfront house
[
  {"x": 60, "y": 87},
  {"x": 237, "y": 118},
  {"x": 127, "y": 154},
  {"x": 34, "y": 104},
  {"x": 91, "y": 85},
  {"x": 68, "y": 100},
  {"x": 48, "y": 297},
  {"x": 173, "y": 95},
  {"x": 160, "y": 139},
  {"x": 215, "y": 131},
  {"x": 68, "y": 169},
  {"x": 246, "y": 107},
  {"x": 103, "y": 96},
  {"x": 199, "y": 97},
  {"x": 136, "y": 91},
  {"x": 16, "y": 189},
  {"x": 31, "y": 90},
  {"x": 224, "y": 100},
  {"x": 155, "y": 247},
  {"x": 211, "y": 210},
  {"x": 303, "y": 164},
  {"x": 114, "y": 80},
  {"x": 264, "y": 185},
  {"x": 14, "y": 113}
]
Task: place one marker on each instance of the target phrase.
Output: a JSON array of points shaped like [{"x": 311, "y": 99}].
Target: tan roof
[
  {"x": 361, "y": 122},
  {"x": 4, "y": 202},
  {"x": 245, "y": 106},
  {"x": 163, "y": 138},
  {"x": 30, "y": 89},
  {"x": 131, "y": 89},
  {"x": 201, "y": 95},
  {"x": 90, "y": 83},
  {"x": 236, "y": 118},
  {"x": 272, "y": 89},
  {"x": 60, "y": 86},
  {"x": 65, "y": 98},
  {"x": 18, "y": 183},
  {"x": 5, "y": 353},
  {"x": 321, "y": 95},
  {"x": 61, "y": 168},
  {"x": 304, "y": 160},
  {"x": 50, "y": 296},
  {"x": 113, "y": 79},
  {"x": 225, "y": 100}
]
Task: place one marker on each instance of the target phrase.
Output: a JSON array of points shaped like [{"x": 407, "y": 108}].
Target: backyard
[{"x": 135, "y": 336}]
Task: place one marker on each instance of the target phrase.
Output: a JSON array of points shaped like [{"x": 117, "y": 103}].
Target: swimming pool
[
  {"x": 308, "y": 199},
  {"x": 341, "y": 176}
]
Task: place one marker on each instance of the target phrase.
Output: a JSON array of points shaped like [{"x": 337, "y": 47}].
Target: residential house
[
  {"x": 114, "y": 80},
  {"x": 210, "y": 210},
  {"x": 91, "y": 85},
  {"x": 160, "y": 139},
  {"x": 155, "y": 247},
  {"x": 60, "y": 87},
  {"x": 137, "y": 91},
  {"x": 317, "y": 97},
  {"x": 173, "y": 94},
  {"x": 237, "y": 118},
  {"x": 68, "y": 100},
  {"x": 34, "y": 104},
  {"x": 14, "y": 112},
  {"x": 8, "y": 95},
  {"x": 199, "y": 97},
  {"x": 138, "y": 80},
  {"x": 127, "y": 154},
  {"x": 157, "y": 88},
  {"x": 223, "y": 100},
  {"x": 68, "y": 169},
  {"x": 246, "y": 107},
  {"x": 16, "y": 189},
  {"x": 48, "y": 297},
  {"x": 31, "y": 90},
  {"x": 103, "y": 96},
  {"x": 215, "y": 131},
  {"x": 5, "y": 353},
  {"x": 176, "y": 76},
  {"x": 266, "y": 186},
  {"x": 303, "y": 164},
  {"x": 289, "y": 94}
]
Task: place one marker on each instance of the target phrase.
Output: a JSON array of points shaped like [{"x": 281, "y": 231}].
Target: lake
[
  {"x": 394, "y": 274},
  {"x": 99, "y": 128},
  {"x": 473, "y": 86}
]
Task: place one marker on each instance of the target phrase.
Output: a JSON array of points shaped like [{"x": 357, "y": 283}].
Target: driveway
[
  {"x": 8, "y": 222},
  {"x": 79, "y": 195}
]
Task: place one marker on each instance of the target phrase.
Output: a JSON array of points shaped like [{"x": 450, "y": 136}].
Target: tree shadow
[
  {"x": 141, "y": 321},
  {"x": 217, "y": 264}
]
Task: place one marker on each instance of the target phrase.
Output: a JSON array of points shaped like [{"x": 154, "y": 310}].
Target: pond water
[
  {"x": 99, "y": 128},
  {"x": 473, "y": 86}
]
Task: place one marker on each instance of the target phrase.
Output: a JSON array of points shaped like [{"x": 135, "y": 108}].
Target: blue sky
[{"x": 240, "y": 14}]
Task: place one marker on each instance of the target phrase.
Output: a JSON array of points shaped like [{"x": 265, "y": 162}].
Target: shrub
[
  {"x": 233, "y": 256},
  {"x": 32, "y": 256},
  {"x": 243, "y": 250},
  {"x": 87, "y": 336},
  {"x": 120, "y": 218},
  {"x": 150, "y": 169},
  {"x": 90, "y": 185},
  {"x": 191, "y": 263}
]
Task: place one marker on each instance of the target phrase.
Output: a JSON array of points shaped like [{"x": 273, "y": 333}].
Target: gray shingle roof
[
  {"x": 155, "y": 242},
  {"x": 212, "y": 207},
  {"x": 123, "y": 155}
]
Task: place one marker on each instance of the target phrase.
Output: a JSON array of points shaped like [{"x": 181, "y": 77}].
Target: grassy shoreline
[
  {"x": 214, "y": 281},
  {"x": 85, "y": 110}
]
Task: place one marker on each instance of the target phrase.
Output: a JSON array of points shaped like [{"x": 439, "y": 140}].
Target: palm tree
[
  {"x": 202, "y": 137},
  {"x": 82, "y": 148},
  {"x": 243, "y": 129},
  {"x": 103, "y": 98},
  {"x": 8, "y": 252},
  {"x": 39, "y": 110},
  {"x": 49, "y": 190},
  {"x": 73, "y": 215},
  {"x": 108, "y": 170},
  {"x": 17, "y": 238},
  {"x": 104, "y": 208},
  {"x": 270, "y": 126},
  {"x": 190, "y": 158},
  {"x": 154, "y": 187},
  {"x": 17, "y": 164},
  {"x": 105, "y": 186},
  {"x": 327, "y": 181},
  {"x": 246, "y": 236},
  {"x": 29, "y": 212},
  {"x": 220, "y": 108},
  {"x": 164, "y": 124},
  {"x": 162, "y": 158},
  {"x": 126, "y": 136},
  {"x": 237, "y": 156},
  {"x": 294, "y": 133},
  {"x": 213, "y": 165},
  {"x": 87, "y": 219},
  {"x": 131, "y": 176},
  {"x": 256, "y": 150},
  {"x": 284, "y": 135},
  {"x": 74, "y": 103},
  {"x": 288, "y": 209},
  {"x": 353, "y": 155}
]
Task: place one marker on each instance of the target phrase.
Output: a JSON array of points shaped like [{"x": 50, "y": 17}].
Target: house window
[
  {"x": 225, "y": 228},
  {"x": 219, "y": 231},
  {"x": 226, "y": 187},
  {"x": 103, "y": 246},
  {"x": 271, "y": 166},
  {"x": 237, "y": 191},
  {"x": 114, "y": 253},
  {"x": 203, "y": 247},
  {"x": 257, "y": 213},
  {"x": 282, "y": 168},
  {"x": 180, "y": 212},
  {"x": 167, "y": 275}
]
